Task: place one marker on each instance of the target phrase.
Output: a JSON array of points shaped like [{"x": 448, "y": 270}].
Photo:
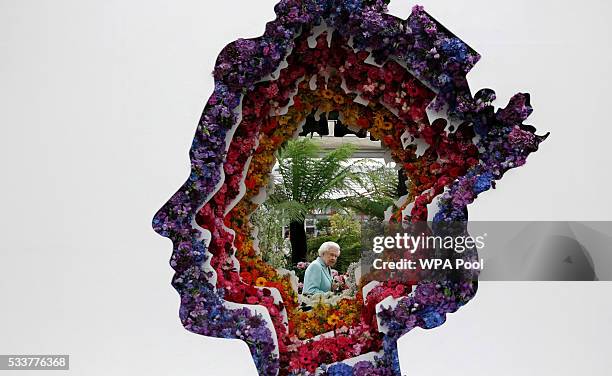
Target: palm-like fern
[
  {"x": 308, "y": 180},
  {"x": 377, "y": 189}
]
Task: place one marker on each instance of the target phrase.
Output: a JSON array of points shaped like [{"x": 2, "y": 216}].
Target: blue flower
[
  {"x": 352, "y": 5},
  {"x": 432, "y": 318},
  {"x": 483, "y": 182},
  {"x": 453, "y": 47},
  {"x": 340, "y": 369}
]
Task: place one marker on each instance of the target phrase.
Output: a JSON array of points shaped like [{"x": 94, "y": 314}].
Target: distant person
[{"x": 287, "y": 245}]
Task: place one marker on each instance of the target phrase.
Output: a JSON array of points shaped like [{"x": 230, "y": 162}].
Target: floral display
[{"x": 404, "y": 81}]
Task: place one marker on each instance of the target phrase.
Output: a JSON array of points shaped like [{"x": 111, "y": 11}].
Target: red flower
[
  {"x": 362, "y": 55},
  {"x": 269, "y": 126},
  {"x": 237, "y": 295},
  {"x": 412, "y": 89},
  {"x": 416, "y": 113},
  {"x": 428, "y": 134},
  {"x": 297, "y": 103},
  {"x": 246, "y": 277},
  {"x": 389, "y": 76},
  {"x": 252, "y": 291},
  {"x": 250, "y": 183},
  {"x": 454, "y": 171},
  {"x": 390, "y": 141},
  {"x": 472, "y": 150},
  {"x": 424, "y": 179},
  {"x": 442, "y": 181},
  {"x": 363, "y": 123}
]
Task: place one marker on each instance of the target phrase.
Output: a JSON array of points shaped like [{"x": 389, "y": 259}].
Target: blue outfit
[{"x": 317, "y": 278}]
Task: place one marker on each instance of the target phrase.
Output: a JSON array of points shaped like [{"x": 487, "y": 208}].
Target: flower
[
  {"x": 340, "y": 369},
  {"x": 379, "y": 121},
  {"x": 260, "y": 282},
  {"x": 416, "y": 113},
  {"x": 483, "y": 182},
  {"x": 363, "y": 122},
  {"x": 333, "y": 320},
  {"x": 327, "y": 94},
  {"x": 252, "y": 300},
  {"x": 386, "y": 126},
  {"x": 246, "y": 277}
]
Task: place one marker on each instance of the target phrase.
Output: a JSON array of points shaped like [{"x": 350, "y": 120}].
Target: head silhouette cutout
[{"x": 403, "y": 82}]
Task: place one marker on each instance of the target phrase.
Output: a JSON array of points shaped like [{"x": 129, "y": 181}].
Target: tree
[
  {"x": 309, "y": 180},
  {"x": 344, "y": 224},
  {"x": 269, "y": 224},
  {"x": 375, "y": 189}
]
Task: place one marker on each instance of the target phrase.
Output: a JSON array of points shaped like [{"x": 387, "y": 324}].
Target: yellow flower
[
  {"x": 338, "y": 99},
  {"x": 379, "y": 121},
  {"x": 386, "y": 126},
  {"x": 283, "y": 120},
  {"x": 327, "y": 94},
  {"x": 326, "y": 107},
  {"x": 260, "y": 282},
  {"x": 299, "y": 117},
  {"x": 349, "y": 112},
  {"x": 333, "y": 320},
  {"x": 375, "y": 133}
]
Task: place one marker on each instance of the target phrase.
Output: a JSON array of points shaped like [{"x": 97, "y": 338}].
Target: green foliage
[
  {"x": 344, "y": 224},
  {"x": 308, "y": 180},
  {"x": 324, "y": 225},
  {"x": 271, "y": 243},
  {"x": 376, "y": 189}
]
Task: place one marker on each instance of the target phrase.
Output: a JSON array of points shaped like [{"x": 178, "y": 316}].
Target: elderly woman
[{"x": 318, "y": 277}]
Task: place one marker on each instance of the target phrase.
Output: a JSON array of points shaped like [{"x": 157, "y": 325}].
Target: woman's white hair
[{"x": 327, "y": 246}]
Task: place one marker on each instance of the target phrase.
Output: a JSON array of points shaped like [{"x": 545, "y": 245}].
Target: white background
[{"x": 99, "y": 102}]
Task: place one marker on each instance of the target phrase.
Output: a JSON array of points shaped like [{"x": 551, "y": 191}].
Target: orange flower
[
  {"x": 326, "y": 106},
  {"x": 339, "y": 99},
  {"x": 386, "y": 126},
  {"x": 374, "y": 132},
  {"x": 260, "y": 282},
  {"x": 284, "y": 120},
  {"x": 379, "y": 121},
  {"x": 327, "y": 94},
  {"x": 333, "y": 320}
]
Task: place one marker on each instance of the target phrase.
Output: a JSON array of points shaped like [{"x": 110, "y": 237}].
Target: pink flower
[
  {"x": 268, "y": 300},
  {"x": 273, "y": 311},
  {"x": 252, "y": 300}
]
